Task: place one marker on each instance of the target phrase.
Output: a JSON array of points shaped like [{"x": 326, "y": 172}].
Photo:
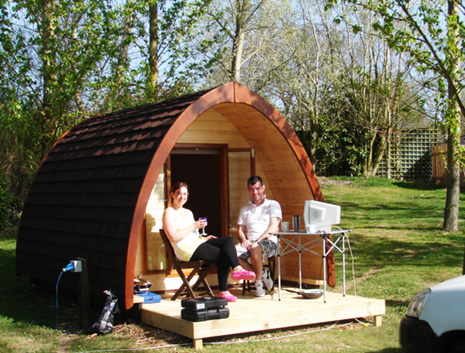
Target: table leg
[
  {"x": 279, "y": 267},
  {"x": 343, "y": 265},
  {"x": 300, "y": 265},
  {"x": 324, "y": 268}
]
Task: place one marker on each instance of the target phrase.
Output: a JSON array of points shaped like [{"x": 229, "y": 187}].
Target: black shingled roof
[{"x": 83, "y": 198}]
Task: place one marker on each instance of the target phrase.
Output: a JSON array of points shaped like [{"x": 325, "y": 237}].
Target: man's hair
[{"x": 254, "y": 179}]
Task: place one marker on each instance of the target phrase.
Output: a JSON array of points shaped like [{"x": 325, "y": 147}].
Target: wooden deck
[{"x": 252, "y": 314}]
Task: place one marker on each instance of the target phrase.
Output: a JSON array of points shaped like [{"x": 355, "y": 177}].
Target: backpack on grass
[{"x": 105, "y": 324}]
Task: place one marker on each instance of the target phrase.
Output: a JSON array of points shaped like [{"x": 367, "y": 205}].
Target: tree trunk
[
  {"x": 238, "y": 39},
  {"x": 153, "y": 50},
  {"x": 123, "y": 57},
  {"x": 49, "y": 75},
  {"x": 451, "y": 214},
  {"x": 388, "y": 159},
  {"x": 375, "y": 155}
]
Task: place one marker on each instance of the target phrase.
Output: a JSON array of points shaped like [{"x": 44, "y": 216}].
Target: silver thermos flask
[{"x": 296, "y": 223}]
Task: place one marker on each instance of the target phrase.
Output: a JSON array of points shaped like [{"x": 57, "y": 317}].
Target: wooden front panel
[
  {"x": 156, "y": 256},
  {"x": 239, "y": 170},
  {"x": 212, "y": 128},
  {"x": 240, "y": 126}
]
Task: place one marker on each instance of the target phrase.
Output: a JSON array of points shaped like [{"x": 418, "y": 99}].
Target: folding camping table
[{"x": 302, "y": 242}]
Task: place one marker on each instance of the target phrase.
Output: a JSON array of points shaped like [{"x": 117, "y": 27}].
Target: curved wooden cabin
[{"x": 101, "y": 191}]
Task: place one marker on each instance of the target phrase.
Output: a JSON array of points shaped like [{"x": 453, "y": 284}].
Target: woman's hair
[{"x": 178, "y": 185}]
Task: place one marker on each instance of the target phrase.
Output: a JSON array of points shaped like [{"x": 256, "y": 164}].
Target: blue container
[{"x": 149, "y": 297}]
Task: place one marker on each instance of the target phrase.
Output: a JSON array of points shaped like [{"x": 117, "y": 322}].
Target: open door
[
  {"x": 202, "y": 169},
  {"x": 217, "y": 180}
]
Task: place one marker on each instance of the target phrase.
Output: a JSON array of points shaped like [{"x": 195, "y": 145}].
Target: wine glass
[{"x": 203, "y": 229}]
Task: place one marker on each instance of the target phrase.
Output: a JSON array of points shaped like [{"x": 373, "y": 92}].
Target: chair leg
[
  {"x": 272, "y": 266},
  {"x": 246, "y": 285},
  {"x": 203, "y": 272},
  {"x": 185, "y": 285}
]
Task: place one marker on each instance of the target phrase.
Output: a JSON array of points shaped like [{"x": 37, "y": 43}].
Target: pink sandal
[
  {"x": 243, "y": 274},
  {"x": 228, "y": 296}
]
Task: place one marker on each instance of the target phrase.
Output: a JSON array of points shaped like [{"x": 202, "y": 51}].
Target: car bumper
[{"x": 417, "y": 336}]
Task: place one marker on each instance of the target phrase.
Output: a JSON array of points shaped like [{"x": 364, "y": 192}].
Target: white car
[{"x": 435, "y": 319}]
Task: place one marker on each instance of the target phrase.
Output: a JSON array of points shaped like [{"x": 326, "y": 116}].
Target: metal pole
[
  {"x": 324, "y": 268},
  {"x": 279, "y": 267},
  {"x": 300, "y": 263},
  {"x": 344, "y": 264},
  {"x": 84, "y": 300}
]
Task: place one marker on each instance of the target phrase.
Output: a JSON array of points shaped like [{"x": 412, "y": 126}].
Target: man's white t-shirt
[{"x": 256, "y": 219}]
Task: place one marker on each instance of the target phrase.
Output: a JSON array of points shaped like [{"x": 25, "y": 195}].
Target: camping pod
[{"x": 100, "y": 193}]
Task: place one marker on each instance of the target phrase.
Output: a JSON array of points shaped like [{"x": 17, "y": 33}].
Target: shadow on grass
[
  {"x": 397, "y": 303},
  {"x": 28, "y": 304},
  {"x": 404, "y": 215},
  {"x": 407, "y": 209},
  {"x": 422, "y": 186},
  {"x": 414, "y": 185},
  {"x": 381, "y": 251}
]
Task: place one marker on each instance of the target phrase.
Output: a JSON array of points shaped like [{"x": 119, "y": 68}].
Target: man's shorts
[{"x": 269, "y": 249}]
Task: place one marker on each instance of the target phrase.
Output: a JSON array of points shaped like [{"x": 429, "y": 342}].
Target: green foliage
[
  {"x": 20, "y": 155},
  {"x": 431, "y": 33},
  {"x": 6, "y": 201},
  {"x": 168, "y": 31},
  {"x": 345, "y": 92},
  {"x": 64, "y": 61},
  {"x": 432, "y": 36}
]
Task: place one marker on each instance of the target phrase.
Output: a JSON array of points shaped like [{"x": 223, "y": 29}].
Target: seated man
[{"x": 257, "y": 221}]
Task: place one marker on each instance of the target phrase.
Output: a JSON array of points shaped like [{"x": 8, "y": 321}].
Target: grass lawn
[{"x": 398, "y": 249}]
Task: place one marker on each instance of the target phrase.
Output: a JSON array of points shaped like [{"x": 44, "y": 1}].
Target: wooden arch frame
[{"x": 228, "y": 93}]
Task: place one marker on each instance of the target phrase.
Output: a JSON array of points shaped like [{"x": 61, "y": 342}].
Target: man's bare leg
[
  {"x": 245, "y": 264},
  {"x": 257, "y": 260}
]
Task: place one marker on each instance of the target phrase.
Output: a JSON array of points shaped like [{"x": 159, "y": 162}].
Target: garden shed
[
  {"x": 439, "y": 162},
  {"x": 100, "y": 192}
]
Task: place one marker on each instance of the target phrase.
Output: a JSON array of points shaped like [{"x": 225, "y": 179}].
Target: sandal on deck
[
  {"x": 228, "y": 296},
  {"x": 243, "y": 274}
]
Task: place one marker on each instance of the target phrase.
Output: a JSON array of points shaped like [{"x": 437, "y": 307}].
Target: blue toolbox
[{"x": 148, "y": 297}]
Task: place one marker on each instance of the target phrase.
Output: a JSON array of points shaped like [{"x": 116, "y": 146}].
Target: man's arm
[
  {"x": 242, "y": 237},
  {"x": 272, "y": 228}
]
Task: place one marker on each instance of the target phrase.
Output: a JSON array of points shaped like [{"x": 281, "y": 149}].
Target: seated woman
[{"x": 182, "y": 231}]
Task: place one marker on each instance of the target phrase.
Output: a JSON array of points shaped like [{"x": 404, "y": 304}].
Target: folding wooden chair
[
  {"x": 200, "y": 268},
  {"x": 271, "y": 265}
]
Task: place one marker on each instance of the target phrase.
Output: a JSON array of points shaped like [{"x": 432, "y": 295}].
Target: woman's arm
[{"x": 172, "y": 231}]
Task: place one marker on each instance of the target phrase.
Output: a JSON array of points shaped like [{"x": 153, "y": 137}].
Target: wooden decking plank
[{"x": 250, "y": 314}]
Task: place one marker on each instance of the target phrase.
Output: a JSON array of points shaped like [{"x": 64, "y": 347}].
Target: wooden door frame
[
  {"x": 224, "y": 196},
  {"x": 252, "y": 156}
]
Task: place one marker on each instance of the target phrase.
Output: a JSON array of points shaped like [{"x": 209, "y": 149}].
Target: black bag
[
  {"x": 203, "y": 303},
  {"x": 105, "y": 324},
  {"x": 203, "y": 315},
  {"x": 206, "y": 308}
]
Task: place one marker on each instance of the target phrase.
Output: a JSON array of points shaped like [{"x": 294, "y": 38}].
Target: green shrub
[{"x": 6, "y": 205}]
